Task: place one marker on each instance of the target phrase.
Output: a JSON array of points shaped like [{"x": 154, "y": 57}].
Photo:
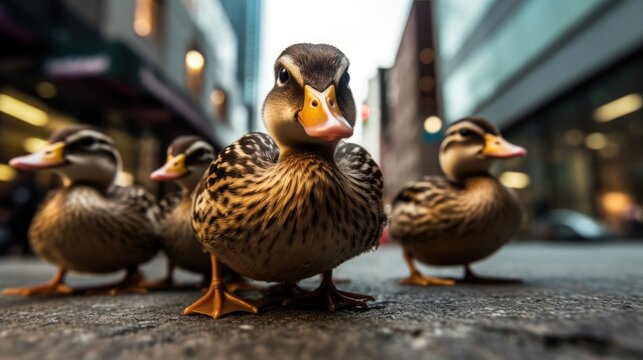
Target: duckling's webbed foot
[
  {"x": 218, "y": 301},
  {"x": 55, "y": 286},
  {"x": 285, "y": 290},
  {"x": 327, "y": 295},
  {"x": 417, "y": 279},
  {"x": 472, "y": 278},
  {"x": 239, "y": 283},
  {"x": 167, "y": 282},
  {"x": 132, "y": 283}
]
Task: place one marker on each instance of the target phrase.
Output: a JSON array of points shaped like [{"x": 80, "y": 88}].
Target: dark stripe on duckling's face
[
  {"x": 317, "y": 65},
  {"x": 480, "y": 122},
  {"x": 199, "y": 153},
  {"x": 187, "y": 159},
  {"x": 89, "y": 142},
  {"x": 463, "y": 134},
  {"x": 195, "y": 149}
]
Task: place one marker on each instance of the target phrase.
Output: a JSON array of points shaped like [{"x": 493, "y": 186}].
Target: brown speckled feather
[
  {"x": 84, "y": 230},
  {"x": 289, "y": 219},
  {"x": 179, "y": 242},
  {"x": 438, "y": 215}
]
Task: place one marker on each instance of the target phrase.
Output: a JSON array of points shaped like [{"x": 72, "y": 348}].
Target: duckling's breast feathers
[{"x": 292, "y": 217}]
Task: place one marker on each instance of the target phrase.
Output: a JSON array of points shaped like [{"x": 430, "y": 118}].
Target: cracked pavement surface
[{"x": 577, "y": 301}]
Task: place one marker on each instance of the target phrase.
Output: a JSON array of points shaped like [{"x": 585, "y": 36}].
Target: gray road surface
[{"x": 582, "y": 301}]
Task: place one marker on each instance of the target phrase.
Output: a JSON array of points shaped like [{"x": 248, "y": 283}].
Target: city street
[{"x": 577, "y": 301}]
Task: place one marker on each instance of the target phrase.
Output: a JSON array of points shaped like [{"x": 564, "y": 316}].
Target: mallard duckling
[
  {"x": 89, "y": 224},
  {"x": 299, "y": 203},
  {"x": 187, "y": 159},
  {"x": 463, "y": 217}
]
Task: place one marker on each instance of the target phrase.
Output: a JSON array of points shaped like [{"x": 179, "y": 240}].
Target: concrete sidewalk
[{"x": 580, "y": 301}]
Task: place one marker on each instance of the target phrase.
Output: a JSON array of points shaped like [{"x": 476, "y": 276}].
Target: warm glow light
[
  {"x": 194, "y": 60},
  {"x": 217, "y": 97},
  {"x": 143, "y": 17},
  {"x": 596, "y": 141},
  {"x": 34, "y": 144},
  {"x": 46, "y": 89},
  {"x": 366, "y": 112},
  {"x": 7, "y": 173},
  {"x": 142, "y": 27},
  {"x": 426, "y": 56},
  {"x": 432, "y": 124},
  {"x": 124, "y": 178},
  {"x": 427, "y": 83},
  {"x": 513, "y": 179},
  {"x": 574, "y": 137},
  {"x": 22, "y": 111},
  {"x": 610, "y": 151},
  {"x": 616, "y": 203},
  {"x": 619, "y": 107}
]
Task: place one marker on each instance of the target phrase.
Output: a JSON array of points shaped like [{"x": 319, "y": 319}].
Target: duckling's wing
[
  {"x": 138, "y": 199},
  {"x": 364, "y": 174},
  {"x": 169, "y": 202},
  {"x": 242, "y": 159},
  {"x": 425, "y": 209}
]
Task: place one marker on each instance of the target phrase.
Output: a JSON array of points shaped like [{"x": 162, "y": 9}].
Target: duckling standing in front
[
  {"x": 89, "y": 224},
  {"x": 299, "y": 203},
  {"x": 463, "y": 217}
]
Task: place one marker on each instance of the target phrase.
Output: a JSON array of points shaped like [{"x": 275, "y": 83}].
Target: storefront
[{"x": 586, "y": 149}]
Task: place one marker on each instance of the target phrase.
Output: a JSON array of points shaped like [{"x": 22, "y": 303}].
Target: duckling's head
[
  {"x": 80, "y": 154},
  {"x": 311, "y": 104},
  {"x": 470, "y": 145},
  {"x": 187, "y": 159}
]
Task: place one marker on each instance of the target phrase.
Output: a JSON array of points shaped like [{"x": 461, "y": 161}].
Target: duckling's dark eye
[
  {"x": 283, "y": 75},
  {"x": 465, "y": 132},
  {"x": 86, "y": 142},
  {"x": 346, "y": 78},
  {"x": 199, "y": 153}
]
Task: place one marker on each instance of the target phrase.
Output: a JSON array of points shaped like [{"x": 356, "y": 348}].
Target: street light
[
  {"x": 194, "y": 60},
  {"x": 432, "y": 124}
]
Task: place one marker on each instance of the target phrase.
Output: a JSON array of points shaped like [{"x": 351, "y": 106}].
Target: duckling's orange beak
[
  {"x": 48, "y": 157},
  {"x": 174, "y": 168},
  {"x": 321, "y": 117},
  {"x": 497, "y": 147}
]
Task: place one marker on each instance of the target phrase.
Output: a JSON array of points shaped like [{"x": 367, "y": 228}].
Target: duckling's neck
[
  {"x": 481, "y": 188},
  {"x": 100, "y": 186},
  {"x": 324, "y": 152}
]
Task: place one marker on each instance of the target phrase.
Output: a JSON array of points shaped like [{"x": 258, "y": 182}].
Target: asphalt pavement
[{"x": 576, "y": 301}]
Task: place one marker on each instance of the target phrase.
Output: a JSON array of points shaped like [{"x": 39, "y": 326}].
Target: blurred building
[
  {"x": 375, "y": 116},
  {"x": 245, "y": 17},
  {"x": 145, "y": 71},
  {"x": 411, "y": 126},
  {"x": 564, "y": 79}
]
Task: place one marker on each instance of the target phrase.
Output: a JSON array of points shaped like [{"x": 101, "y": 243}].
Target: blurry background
[{"x": 562, "y": 78}]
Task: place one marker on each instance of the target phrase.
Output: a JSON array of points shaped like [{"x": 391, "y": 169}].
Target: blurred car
[{"x": 569, "y": 225}]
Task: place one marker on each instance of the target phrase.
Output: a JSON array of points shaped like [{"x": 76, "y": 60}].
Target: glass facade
[
  {"x": 582, "y": 159},
  {"x": 458, "y": 18},
  {"x": 524, "y": 36}
]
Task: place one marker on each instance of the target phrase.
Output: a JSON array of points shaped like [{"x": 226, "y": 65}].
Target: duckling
[
  {"x": 187, "y": 159},
  {"x": 90, "y": 224},
  {"x": 285, "y": 207},
  {"x": 463, "y": 217}
]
